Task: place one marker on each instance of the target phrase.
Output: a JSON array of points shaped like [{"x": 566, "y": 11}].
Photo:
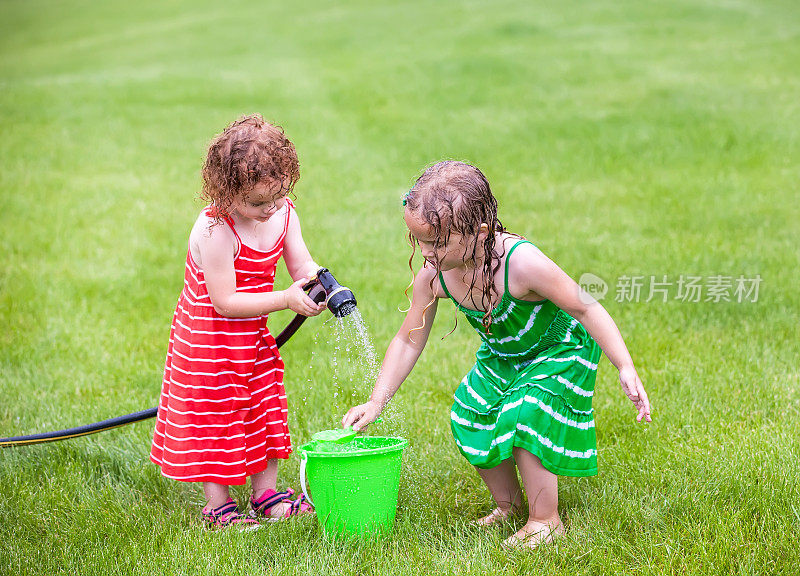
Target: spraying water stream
[{"x": 344, "y": 368}]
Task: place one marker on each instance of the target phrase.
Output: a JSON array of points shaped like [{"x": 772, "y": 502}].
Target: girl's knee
[{"x": 524, "y": 454}]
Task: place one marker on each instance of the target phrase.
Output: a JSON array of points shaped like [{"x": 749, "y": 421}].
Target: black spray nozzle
[{"x": 339, "y": 299}]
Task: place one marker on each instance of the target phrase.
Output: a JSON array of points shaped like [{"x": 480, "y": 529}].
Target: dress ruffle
[{"x": 544, "y": 407}]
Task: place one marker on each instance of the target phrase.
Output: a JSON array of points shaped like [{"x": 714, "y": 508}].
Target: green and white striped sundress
[{"x": 531, "y": 386}]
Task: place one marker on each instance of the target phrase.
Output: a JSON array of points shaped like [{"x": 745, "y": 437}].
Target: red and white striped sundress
[{"x": 223, "y": 411}]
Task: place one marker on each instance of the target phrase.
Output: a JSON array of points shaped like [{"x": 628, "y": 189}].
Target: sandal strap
[
  {"x": 269, "y": 499},
  {"x": 299, "y": 506},
  {"x": 227, "y": 508},
  {"x": 226, "y": 515}
]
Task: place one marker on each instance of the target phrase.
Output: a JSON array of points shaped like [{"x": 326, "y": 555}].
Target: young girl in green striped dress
[{"x": 527, "y": 401}]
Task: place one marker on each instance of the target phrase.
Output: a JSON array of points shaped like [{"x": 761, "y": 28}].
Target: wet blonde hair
[{"x": 450, "y": 197}]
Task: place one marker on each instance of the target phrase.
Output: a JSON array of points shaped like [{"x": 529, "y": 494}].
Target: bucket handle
[{"x": 303, "y": 460}]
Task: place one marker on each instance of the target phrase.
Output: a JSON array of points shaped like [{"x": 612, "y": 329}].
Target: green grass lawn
[{"x": 624, "y": 138}]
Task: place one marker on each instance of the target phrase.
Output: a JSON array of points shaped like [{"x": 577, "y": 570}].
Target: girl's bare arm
[
  {"x": 403, "y": 352},
  {"x": 296, "y": 255},
  {"x": 540, "y": 275},
  {"x": 217, "y": 246}
]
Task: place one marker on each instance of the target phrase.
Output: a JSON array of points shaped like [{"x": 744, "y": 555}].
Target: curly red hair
[{"x": 250, "y": 151}]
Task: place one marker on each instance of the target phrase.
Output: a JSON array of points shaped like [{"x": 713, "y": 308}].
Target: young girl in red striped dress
[{"x": 223, "y": 414}]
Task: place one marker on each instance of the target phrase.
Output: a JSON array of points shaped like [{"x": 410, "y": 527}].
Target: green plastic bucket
[{"x": 354, "y": 485}]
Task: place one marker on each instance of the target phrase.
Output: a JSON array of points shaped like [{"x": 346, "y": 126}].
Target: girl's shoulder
[
  {"x": 427, "y": 280},
  {"x": 525, "y": 262},
  {"x": 206, "y": 226},
  {"x": 209, "y": 231},
  {"x": 522, "y": 248},
  {"x": 507, "y": 240}
]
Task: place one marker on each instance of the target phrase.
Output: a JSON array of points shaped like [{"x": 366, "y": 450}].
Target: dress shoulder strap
[
  {"x": 285, "y": 231},
  {"x": 229, "y": 222},
  {"x": 289, "y": 208},
  {"x": 508, "y": 259},
  {"x": 210, "y": 212},
  {"x": 444, "y": 287},
  {"x": 505, "y": 285}
]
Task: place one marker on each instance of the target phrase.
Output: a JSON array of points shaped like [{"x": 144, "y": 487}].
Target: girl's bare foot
[
  {"x": 279, "y": 510},
  {"x": 534, "y": 534},
  {"x": 498, "y": 515}
]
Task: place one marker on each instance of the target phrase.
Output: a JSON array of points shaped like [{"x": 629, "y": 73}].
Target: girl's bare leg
[
  {"x": 541, "y": 487},
  {"x": 265, "y": 480},
  {"x": 504, "y": 486},
  {"x": 216, "y": 494}
]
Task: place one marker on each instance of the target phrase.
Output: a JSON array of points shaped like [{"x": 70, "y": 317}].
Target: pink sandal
[
  {"x": 227, "y": 516},
  {"x": 270, "y": 498}
]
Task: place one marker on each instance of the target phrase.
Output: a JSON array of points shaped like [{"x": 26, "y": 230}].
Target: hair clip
[{"x": 405, "y": 197}]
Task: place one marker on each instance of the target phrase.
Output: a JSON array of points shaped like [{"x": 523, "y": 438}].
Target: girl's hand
[
  {"x": 298, "y": 301},
  {"x": 633, "y": 387},
  {"x": 362, "y": 415}
]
